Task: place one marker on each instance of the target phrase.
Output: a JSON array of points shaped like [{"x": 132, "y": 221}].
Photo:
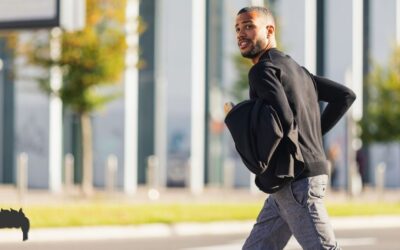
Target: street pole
[
  {"x": 356, "y": 84},
  {"x": 257, "y": 2},
  {"x": 55, "y": 115},
  {"x": 198, "y": 51},
  {"x": 398, "y": 22},
  {"x": 357, "y": 61},
  {"x": 131, "y": 98},
  {"x": 310, "y": 57},
  {"x": 2, "y": 95},
  {"x": 161, "y": 104}
]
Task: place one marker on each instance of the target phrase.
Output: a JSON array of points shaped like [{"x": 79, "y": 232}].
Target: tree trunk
[{"x": 87, "y": 154}]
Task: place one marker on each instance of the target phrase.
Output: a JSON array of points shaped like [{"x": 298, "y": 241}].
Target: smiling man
[{"x": 297, "y": 208}]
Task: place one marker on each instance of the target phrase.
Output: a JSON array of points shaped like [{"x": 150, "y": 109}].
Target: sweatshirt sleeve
[
  {"x": 339, "y": 99},
  {"x": 265, "y": 81}
]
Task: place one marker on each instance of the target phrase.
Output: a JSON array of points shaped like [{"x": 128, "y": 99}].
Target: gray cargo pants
[{"x": 296, "y": 209}]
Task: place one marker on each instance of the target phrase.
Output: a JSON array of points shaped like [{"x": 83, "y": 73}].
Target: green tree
[
  {"x": 381, "y": 110},
  {"x": 240, "y": 89},
  {"x": 90, "y": 58}
]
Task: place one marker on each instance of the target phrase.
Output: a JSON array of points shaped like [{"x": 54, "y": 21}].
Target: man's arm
[
  {"x": 267, "y": 85},
  {"x": 339, "y": 99}
]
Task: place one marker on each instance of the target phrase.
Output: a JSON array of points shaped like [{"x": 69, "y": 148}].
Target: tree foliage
[
  {"x": 92, "y": 57},
  {"x": 382, "y": 110},
  {"x": 240, "y": 89}
]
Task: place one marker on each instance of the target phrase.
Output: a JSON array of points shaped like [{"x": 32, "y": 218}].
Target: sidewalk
[
  {"x": 179, "y": 229},
  {"x": 9, "y": 195}
]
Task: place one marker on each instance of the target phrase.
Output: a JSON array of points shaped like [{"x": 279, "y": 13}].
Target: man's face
[{"x": 251, "y": 34}]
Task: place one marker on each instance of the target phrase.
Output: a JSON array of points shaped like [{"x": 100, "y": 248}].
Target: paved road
[{"x": 354, "y": 239}]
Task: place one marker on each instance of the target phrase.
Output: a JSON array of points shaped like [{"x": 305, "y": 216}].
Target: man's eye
[
  {"x": 237, "y": 30},
  {"x": 248, "y": 27}
]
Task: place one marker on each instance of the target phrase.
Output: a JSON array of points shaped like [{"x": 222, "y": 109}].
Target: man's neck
[{"x": 257, "y": 58}]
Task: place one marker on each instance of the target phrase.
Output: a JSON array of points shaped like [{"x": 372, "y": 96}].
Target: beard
[{"x": 256, "y": 50}]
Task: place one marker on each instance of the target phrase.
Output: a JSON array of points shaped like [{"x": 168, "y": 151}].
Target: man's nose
[{"x": 240, "y": 34}]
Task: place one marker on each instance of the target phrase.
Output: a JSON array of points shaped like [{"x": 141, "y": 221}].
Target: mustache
[{"x": 243, "y": 40}]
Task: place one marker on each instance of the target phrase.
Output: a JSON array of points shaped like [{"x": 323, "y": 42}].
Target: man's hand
[{"x": 228, "y": 107}]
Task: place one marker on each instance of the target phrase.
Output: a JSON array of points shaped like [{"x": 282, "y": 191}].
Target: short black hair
[{"x": 259, "y": 9}]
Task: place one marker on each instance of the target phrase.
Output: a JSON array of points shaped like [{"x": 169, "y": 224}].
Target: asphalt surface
[{"x": 350, "y": 239}]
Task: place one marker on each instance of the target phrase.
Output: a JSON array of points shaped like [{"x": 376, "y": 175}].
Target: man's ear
[{"x": 270, "y": 30}]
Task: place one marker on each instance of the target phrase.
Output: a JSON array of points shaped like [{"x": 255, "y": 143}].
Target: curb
[{"x": 179, "y": 229}]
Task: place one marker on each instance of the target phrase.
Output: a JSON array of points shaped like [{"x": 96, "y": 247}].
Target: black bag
[
  {"x": 273, "y": 157},
  {"x": 256, "y": 131}
]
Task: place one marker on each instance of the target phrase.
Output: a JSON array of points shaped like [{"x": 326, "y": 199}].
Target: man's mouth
[{"x": 243, "y": 44}]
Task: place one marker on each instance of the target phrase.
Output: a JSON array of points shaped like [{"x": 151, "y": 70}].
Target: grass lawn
[{"x": 103, "y": 213}]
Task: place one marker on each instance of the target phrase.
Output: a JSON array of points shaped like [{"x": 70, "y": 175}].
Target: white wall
[
  {"x": 290, "y": 20},
  {"x": 383, "y": 30}
]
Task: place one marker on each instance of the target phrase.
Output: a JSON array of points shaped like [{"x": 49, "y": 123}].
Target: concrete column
[
  {"x": 357, "y": 61},
  {"x": 160, "y": 121},
  {"x": 198, "y": 96},
  {"x": 257, "y": 2},
  {"x": 131, "y": 99},
  {"x": 1, "y": 118},
  {"x": 398, "y": 22},
  {"x": 356, "y": 84},
  {"x": 72, "y": 14},
  {"x": 310, "y": 56},
  {"x": 55, "y": 116}
]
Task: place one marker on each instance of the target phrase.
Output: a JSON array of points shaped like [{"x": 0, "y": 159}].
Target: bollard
[
  {"x": 380, "y": 177},
  {"x": 111, "y": 172},
  {"x": 22, "y": 170},
  {"x": 69, "y": 172},
  {"x": 356, "y": 182},
  {"x": 229, "y": 173},
  {"x": 253, "y": 187},
  {"x": 152, "y": 172},
  {"x": 152, "y": 177},
  {"x": 188, "y": 170}
]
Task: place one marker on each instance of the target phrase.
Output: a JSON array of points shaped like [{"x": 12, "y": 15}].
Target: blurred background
[
  {"x": 130, "y": 93},
  {"x": 123, "y": 100}
]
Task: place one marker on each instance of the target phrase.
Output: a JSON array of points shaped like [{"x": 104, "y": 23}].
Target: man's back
[{"x": 302, "y": 97}]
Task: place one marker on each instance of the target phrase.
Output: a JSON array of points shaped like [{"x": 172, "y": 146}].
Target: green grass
[
  {"x": 91, "y": 214},
  {"x": 364, "y": 209}
]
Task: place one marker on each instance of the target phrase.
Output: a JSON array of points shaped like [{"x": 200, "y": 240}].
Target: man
[{"x": 297, "y": 208}]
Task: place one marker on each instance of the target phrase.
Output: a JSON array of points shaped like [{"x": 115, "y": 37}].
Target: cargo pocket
[{"x": 317, "y": 186}]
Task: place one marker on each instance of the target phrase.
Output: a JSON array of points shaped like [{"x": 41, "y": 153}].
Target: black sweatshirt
[{"x": 294, "y": 93}]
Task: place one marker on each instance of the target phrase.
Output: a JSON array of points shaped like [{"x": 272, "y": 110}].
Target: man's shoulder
[
  {"x": 273, "y": 59},
  {"x": 274, "y": 56},
  {"x": 264, "y": 70},
  {"x": 263, "y": 66},
  {"x": 277, "y": 59}
]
